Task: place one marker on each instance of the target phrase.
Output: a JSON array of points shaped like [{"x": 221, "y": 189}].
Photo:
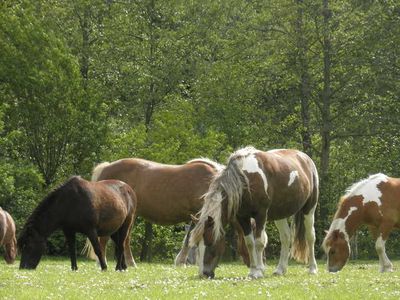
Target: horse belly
[{"x": 281, "y": 209}]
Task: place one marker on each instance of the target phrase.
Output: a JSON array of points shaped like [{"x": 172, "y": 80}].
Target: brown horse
[
  {"x": 7, "y": 236},
  {"x": 92, "y": 208},
  {"x": 166, "y": 194},
  {"x": 271, "y": 185},
  {"x": 374, "y": 201}
]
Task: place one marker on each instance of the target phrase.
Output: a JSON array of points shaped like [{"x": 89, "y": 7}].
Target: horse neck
[
  {"x": 352, "y": 212},
  {"x": 45, "y": 222}
]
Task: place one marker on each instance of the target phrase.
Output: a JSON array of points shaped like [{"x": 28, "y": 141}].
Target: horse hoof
[
  {"x": 256, "y": 274},
  {"x": 313, "y": 271},
  {"x": 278, "y": 273}
]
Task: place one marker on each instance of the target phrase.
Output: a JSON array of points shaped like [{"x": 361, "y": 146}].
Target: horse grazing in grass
[
  {"x": 7, "y": 236},
  {"x": 166, "y": 194},
  {"x": 271, "y": 185},
  {"x": 92, "y": 208},
  {"x": 374, "y": 201}
]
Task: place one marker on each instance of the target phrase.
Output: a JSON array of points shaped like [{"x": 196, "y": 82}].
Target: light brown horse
[
  {"x": 166, "y": 194},
  {"x": 374, "y": 201},
  {"x": 7, "y": 236},
  {"x": 271, "y": 185}
]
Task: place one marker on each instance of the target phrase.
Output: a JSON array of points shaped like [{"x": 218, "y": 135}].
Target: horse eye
[{"x": 332, "y": 252}]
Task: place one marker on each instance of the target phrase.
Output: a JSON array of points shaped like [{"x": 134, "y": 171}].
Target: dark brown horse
[
  {"x": 7, "y": 236},
  {"x": 374, "y": 201},
  {"x": 271, "y": 185},
  {"x": 105, "y": 208},
  {"x": 166, "y": 194}
]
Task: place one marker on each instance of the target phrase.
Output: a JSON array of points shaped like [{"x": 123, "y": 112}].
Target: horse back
[{"x": 292, "y": 182}]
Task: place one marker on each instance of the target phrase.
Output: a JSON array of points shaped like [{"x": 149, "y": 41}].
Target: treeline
[{"x": 88, "y": 81}]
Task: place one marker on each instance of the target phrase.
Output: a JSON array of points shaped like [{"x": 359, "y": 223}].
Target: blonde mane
[{"x": 228, "y": 185}]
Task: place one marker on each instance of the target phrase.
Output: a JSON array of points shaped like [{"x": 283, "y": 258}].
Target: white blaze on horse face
[
  {"x": 250, "y": 165},
  {"x": 340, "y": 223},
  {"x": 293, "y": 175},
  {"x": 368, "y": 189}
]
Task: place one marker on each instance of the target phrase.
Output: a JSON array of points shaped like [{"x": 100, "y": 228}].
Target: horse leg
[
  {"x": 182, "y": 256},
  {"x": 310, "y": 237},
  {"x": 118, "y": 239},
  {"x": 130, "y": 261},
  {"x": 251, "y": 247},
  {"x": 92, "y": 235},
  {"x": 261, "y": 240},
  {"x": 10, "y": 251},
  {"x": 70, "y": 236},
  {"x": 284, "y": 236},
  {"x": 384, "y": 262}
]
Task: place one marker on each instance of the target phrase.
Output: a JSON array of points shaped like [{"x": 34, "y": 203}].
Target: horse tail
[
  {"x": 88, "y": 250},
  {"x": 299, "y": 243},
  {"x": 98, "y": 169}
]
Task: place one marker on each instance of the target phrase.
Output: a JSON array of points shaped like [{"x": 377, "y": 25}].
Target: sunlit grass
[{"x": 54, "y": 280}]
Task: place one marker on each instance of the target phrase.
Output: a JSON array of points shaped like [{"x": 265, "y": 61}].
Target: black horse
[{"x": 104, "y": 208}]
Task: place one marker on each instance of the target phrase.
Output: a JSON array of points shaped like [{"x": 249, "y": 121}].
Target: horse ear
[
  {"x": 194, "y": 219},
  {"x": 326, "y": 232}
]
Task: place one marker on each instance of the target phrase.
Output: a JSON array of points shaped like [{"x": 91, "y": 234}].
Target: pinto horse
[
  {"x": 374, "y": 201},
  {"x": 166, "y": 194},
  {"x": 7, "y": 236},
  {"x": 271, "y": 185},
  {"x": 92, "y": 208}
]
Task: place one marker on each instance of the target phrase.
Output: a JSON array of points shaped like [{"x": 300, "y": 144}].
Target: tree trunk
[
  {"x": 148, "y": 114},
  {"x": 325, "y": 112},
  {"x": 145, "y": 254},
  {"x": 305, "y": 90}
]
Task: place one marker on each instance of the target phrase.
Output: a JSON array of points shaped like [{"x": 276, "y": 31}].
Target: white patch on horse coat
[
  {"x": 340, "y": 223},
  {"x": 292, "y": 177},
  {"x": 250, "y": 165},
  {"x": 368, "y": 189}
]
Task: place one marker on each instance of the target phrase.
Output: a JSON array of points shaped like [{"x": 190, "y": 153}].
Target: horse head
[
  {"x": 31, "y": 245},
  {"x": 210, "y": 247},
  {"x": 337, "y": 249}
]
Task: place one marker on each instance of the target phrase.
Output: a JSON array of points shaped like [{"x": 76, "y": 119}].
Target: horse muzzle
[{"x": 208, "y": 274}]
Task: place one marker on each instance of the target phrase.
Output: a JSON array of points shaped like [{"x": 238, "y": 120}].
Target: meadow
[{"x": 53, "y": 279}]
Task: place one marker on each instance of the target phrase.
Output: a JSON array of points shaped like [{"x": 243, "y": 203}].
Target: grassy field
[{"x": 54, "y": 280}]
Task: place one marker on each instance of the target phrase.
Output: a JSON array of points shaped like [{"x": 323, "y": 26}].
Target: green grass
[{"x": 53, "y": 279}]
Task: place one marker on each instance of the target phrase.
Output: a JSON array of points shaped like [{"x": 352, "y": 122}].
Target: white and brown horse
[
  {"x": 273, "y": 185},
  {"x": 374, "y": 201},
  {"x": 7, "y": 236},
  {"x": 166, "y": 194}
]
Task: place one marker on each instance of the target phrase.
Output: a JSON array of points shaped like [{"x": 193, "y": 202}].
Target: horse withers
[
  {"x": 273, "y": 185},
  {"x": 104, "y": 208},
  {"x": 7, "y": 236},
  {"x": 374, "y": 201}
]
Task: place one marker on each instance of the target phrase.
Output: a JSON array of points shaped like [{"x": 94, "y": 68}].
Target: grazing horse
[
  {"x": 374, "y": 201},
  {"x": 271, "y": 185},
  {"x": 92, "y": 208},
  {"x": 166, "y": 194},
  {"x": 7, "y": 236}
]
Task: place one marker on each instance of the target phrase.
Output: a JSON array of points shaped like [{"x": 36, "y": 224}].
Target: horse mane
[
  {"x": 356, "y": 186},
  {"x": 217, "y": 166},
  {"x": 227, "y": 184},
  {"x": 43, "y": 207}
]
